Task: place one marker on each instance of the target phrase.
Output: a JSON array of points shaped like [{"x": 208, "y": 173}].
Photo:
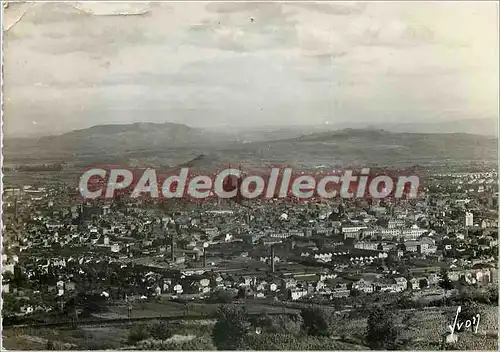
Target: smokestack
[
  {"x": 15, "y": 208},
  {"x": 172, "y": 251},
  {"x": 272, "y": 259}
]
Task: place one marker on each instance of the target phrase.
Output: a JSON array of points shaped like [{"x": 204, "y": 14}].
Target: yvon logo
[{"x": 461, "y": 325}]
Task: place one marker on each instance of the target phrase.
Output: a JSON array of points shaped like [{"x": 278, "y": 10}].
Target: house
[
  {"x": 273, "y": 287},
  {"x": 261, "y": 286},
  {"x": 412, "y": 246},
  {"x": 414, "y": 283},
  {"x": 395, "y": 224},
  {"x": 483, "y": 276},
  {"x": 413, "y": 233},
  {"x": 288, "y": 283},
  {"x": 401, "y": 284},
  {"x": 203, "y": 283},
  {"x": 363, "y": 286},
  {"x": 455, "y": 275},
  {"x": 474, "y": 276},
  {"x": 339, "y": 287},
  {"x": 297, "y": 293},
  {"x": 386, "y": 285},
  {"x": 320, "y": 285},
  {"x": 433, "y": 278},
  {"x": 340, "y": 293},
  {"x": 27, "y": 309},
  {"x": 366, "y": 245},
  {"x": 211, "y": 231},
  {"x": 353, "y": 232},
  {"x": 246, "y": 281}
]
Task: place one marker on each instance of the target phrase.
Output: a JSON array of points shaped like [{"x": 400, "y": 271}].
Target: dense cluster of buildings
[{"x": 56, "y": 247}]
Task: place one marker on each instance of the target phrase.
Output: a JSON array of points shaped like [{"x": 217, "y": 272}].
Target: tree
[
  {"x": 231, "y": 328},
  {"x": 8, "y": 277},
  {"x": 445, "y": 282},
  {"x": 242, "y": 293},
  {"x": 11, "y": 304},
  {"x": 161, "y": 331},
  {"x": 355, "y": 292},
  {"x": 423, "y": 283},
  {"x": 280, "y": 324},
  {"x": 19, "y": 277},
  {"x": 493, "y": 295},
  {"x": 220, "y": 296},
  {"x": 137, "y": 334},
  {"x": 405, "y": 302},
  {"x": 381, "y": 333},
  {"x": 403, "y": 270},
  {"x": 182, "y": 242},
  {"x": 316, "y": 321}
]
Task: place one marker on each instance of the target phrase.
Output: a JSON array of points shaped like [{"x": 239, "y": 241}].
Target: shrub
[
  {"x": 161, "y": 331},
  {"x": 137, "y": 334},
  {"x": 231, "y": 327},
  {"x": 281, "y": 324},
  {"x": 220, "y": 296},
  {"x": 381, "y": 332},
  {"x": 317, "y": 321}
]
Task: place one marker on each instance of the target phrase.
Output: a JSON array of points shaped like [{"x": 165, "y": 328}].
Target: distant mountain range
[
  {"x": 484, "y": 126},
  {"x": 113, "y": 142},
  {"x": 177, "y": 144}
]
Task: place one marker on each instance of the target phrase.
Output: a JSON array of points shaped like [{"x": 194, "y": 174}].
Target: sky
[{"x": 74, "y": 65}]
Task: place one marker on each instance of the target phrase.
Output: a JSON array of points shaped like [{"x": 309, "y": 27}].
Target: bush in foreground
[
  {"x": 231, "y": 328},
  {"x": 317, "y": 321},
  {"x": 137, "y": 334},
  {"x": 381, "y": 333}
]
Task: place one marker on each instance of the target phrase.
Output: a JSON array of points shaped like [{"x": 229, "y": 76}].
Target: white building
[
  {"x": 469, "y": 219},
  {"x": 366, "y": 245},
  {"x": 352, "y": 229},
  {"x": 413, "y": 233},
  {"x": 395, "y": 224},
  {"x": 297, "y": 293}
]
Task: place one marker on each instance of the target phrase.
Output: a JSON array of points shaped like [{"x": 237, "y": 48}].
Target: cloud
[
  {"x": 116, "y": 9},
  {"x": 223, "y": 62},
  {"x": 342, "y": 9},
  {"x": 245, "y": 27}
]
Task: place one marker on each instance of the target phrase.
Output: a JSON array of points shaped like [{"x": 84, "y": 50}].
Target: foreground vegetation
[{"x": 385, "y": 324}]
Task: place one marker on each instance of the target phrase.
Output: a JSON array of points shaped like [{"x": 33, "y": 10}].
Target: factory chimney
[
  {"x": 172, "y": 244},
  {"x": 205, "y": 246},
  {"x": 272, "y": 259}
]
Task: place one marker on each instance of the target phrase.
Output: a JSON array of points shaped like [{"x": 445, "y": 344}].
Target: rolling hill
[{"x": 177, "y": 144}]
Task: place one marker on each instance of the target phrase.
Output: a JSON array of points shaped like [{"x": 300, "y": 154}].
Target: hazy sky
[{"x": 70, "y": 66}]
